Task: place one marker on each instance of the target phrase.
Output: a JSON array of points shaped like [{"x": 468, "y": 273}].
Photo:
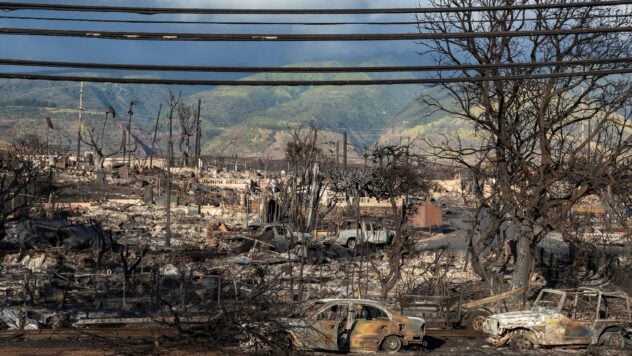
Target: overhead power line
[
  {"x": 10, "y": 6},
  {"x": 202, "y": 22},
  {"x": 183, "y": 36},
  {"x": 265, "y": 23},
  {"x": 312, "y": 69},
  {"x": 212, "y": 82}
]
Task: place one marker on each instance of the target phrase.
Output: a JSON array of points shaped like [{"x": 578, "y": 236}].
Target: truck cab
[{"x": 354, "y": 231}]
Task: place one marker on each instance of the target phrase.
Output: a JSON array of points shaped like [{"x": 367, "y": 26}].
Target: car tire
[
  {"x": 612, "y": 339},
  {"x": 391, "y": 344},
  {"x": 476, "y": 319},
  {"x": 351, "y": 244},
  {"x": 522, "y": 340}
]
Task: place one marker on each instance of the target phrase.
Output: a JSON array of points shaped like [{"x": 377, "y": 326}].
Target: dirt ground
[{"x": 436, "y": 346}]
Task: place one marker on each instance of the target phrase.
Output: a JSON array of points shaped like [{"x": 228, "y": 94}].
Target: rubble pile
[{"x": 112, "y": 260}]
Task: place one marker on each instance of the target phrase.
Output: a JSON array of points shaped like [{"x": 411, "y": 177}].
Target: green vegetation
[{"x": 235, "y": 120}]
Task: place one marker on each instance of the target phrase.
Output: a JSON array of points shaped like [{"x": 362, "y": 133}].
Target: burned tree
[
  {"x": 309, "y": 176},
  {"x": 186, "y": 118},
  {"x": 298, "y": 194},
  {"x": 22, "y": 179},
  {"x": 545, "y": 104},
  {"x": 173, "y": 104},
  {"x": 395, "y": 173},
  {"x": 127, "y": 148},
  {"x": 102, "y": 145}
]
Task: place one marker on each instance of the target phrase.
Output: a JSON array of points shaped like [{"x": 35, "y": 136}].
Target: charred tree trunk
[
  {"x": 100, "y": 169},
  {"x": 524, "y": 260},
  {"x": 153, "y": 141}
]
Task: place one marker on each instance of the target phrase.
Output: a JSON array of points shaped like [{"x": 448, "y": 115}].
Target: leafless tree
[
  {"x": 102, "y": 145},
  {"x": 173, "y": 104},
  {"x": 127, "y": 145},
  {"x": 23, "y": 182},
  {"x": 396, "y": 172},
  {"x": 542, "y": 143},
  {"x": 187, "y": 120}
]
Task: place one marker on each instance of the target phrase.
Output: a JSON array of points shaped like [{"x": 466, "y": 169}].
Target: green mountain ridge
[{"x": 236, "y": 120}]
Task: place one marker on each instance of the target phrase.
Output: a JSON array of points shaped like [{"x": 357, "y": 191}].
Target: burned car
[
  {"x": 280, "y": 235},
  {"x": 583, "y": 316},
  {"x": 356, "y": 325}
]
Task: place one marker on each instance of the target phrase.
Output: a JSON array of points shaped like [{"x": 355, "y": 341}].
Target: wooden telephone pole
[{"x": 79, "y": 129}]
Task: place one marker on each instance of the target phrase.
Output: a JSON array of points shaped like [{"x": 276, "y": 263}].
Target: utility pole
[
  {"x": 79, "y": 129},
  {"x": 344, "y": 151},
  {"x": 129, "y": 135},
  {"x": 172, "y": 105},
  {"x": 198, "y": 135}
]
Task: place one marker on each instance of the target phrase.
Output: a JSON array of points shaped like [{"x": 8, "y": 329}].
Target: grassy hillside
[
  {"x": 254, "y": 113},
  {"x": 253, "y": 121}
]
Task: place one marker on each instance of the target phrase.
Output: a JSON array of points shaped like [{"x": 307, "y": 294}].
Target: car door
[
  {"x": 371, "y": 325},
  {"x": 322, "y": 332},
  {"x": 578, "y": 316}
]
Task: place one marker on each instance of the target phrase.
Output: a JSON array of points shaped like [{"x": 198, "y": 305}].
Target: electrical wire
[
  {"x": 12, "y": 6},
  {"x": 314, "y": 69},
  {"x": 183, "y": 36},
  {"x": 201, "y": 22},
  {"x": 248, "y": 82},
  {"x": 266, "y": 23}
]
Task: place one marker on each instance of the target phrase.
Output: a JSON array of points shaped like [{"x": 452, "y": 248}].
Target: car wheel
[
  {"x": 476, "y": 319},
  {"x": 522, "y": 340},
  {"x": 612, "y": 339},
  {"x": 392, "y": 344},
  {"x": 351, "y": 244}
]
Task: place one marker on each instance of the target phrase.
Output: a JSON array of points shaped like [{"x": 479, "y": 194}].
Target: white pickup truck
[{"x": 353, "y": 231}]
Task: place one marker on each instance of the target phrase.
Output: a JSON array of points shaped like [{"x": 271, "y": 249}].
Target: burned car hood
[
  {"x": 496, "y": 324},
  {"x": 517, "y": 316}
]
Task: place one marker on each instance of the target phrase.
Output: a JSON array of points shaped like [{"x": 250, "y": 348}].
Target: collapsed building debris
[
  {"x": 39, "y": 234},
  {"x": 106, "y": 264}
]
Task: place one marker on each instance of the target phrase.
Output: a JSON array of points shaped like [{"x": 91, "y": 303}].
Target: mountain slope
[{"x": 236, "y": 120}]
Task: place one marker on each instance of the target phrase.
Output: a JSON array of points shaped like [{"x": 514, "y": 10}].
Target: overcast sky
[{"x": 205, "y": 53}]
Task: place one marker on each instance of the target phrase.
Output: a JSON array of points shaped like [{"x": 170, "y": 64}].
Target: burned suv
[{"x": 583, "y": 316}]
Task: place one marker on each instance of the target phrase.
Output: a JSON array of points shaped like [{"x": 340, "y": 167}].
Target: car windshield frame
[
  {"x": 309, "y": 310},
  {"x": 546, "y": 304}
]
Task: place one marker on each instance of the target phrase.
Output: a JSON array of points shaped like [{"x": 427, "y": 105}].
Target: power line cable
[
  {"x": 201, "y": 22},
  {"x": 340, "y": 82},
  {"x": 182, "y": 36},
  {"x": 312, "y": 69},
  {"x": 266, "y": 23},
  {"x": 12, "y": 6}
]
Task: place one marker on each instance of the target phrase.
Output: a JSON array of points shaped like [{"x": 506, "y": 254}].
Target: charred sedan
[
  {"x": 355, "y": 325},
  {"x": 584, "y": 316}
]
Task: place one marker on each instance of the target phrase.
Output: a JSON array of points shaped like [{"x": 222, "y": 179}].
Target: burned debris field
[{"x": 99, "y": 264}]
